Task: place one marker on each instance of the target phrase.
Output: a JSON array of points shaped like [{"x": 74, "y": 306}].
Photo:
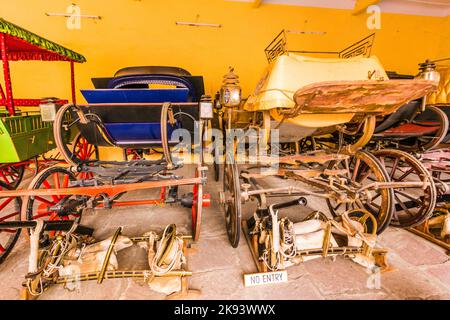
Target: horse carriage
[
  {"x": 26, "y": 133},
  {"x": 140, "y": 109},
  {"x": 437, "y": 227},
  {"x": 299, "y": 98},
  {"x": 413, "y": 141}
]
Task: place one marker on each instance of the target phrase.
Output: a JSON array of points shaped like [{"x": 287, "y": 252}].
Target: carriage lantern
[
  {"x": 230, "y": 93},
  {"x": 49, "y": 107},
  {"x": 428, "y": 72}
]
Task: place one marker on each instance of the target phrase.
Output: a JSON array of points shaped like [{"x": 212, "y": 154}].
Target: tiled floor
[{"x": 420, "y": 270}]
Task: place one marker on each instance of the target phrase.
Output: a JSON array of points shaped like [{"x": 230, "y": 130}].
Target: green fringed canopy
[{"x": 22, "y": 44}]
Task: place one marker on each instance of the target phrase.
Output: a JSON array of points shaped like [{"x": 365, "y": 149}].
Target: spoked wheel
[
  {"x": 433, "y": 117},
  {"x": 12, "y": 174},
  {"x": 232, "y": 201},
  {"x": 367, "y": 220},
  {"x": 9, "y": 211},
  {"x": 362, "y": 169},
  {"x": 52, "y": 207},
  {"x": 412, "y": 205},
  {"x": 83, "y": 151},
  {"x": 64, "y": 128}
]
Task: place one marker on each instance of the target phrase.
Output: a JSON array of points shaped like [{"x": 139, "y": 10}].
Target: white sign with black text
[{"x": 259, "y": 279}]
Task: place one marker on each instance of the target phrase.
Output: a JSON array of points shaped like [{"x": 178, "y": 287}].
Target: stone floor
[{"x": 419, "y": 269}]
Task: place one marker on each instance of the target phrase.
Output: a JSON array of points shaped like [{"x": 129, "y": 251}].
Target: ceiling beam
[
  {"x": 256, "y": 3},
  {"x": 362, "y": 5}
]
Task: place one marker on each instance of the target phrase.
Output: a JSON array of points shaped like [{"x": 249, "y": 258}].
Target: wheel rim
[
  {"x": 43, "y": 207},
  {"x": 12, "y": 174},
  {"x": 9, "y": 211},
  {"x": 197, "y": 206},
  {"x": 412, "y": 205},
  {"x": 64, "y": 128},
  {"x": 232, "y": 205},
  {"x": 363, "y": 169}
]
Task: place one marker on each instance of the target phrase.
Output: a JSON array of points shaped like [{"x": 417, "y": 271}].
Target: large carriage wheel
[
  {"x": 412, "y": 205},
  {"x": 9, "y": 211},
  {"x": 77, "y": 151},
  {"x": 432, "y": 140},
  {"x": 51, "y": 207},
  {"x": 12, "y": 174},
  {"x": 232, "y": 201},
  {"x": 362, "y": 169}
]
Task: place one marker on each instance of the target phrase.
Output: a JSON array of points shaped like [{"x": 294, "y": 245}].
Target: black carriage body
[{"x": 126, "y": 112}]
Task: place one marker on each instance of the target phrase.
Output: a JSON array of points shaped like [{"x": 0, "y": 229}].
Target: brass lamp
[
  {"x": 428, "y": 72},
  {"x": 230, "y": 92}
]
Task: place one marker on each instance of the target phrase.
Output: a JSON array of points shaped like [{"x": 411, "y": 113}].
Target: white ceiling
[{"x": 437, "y": 8}]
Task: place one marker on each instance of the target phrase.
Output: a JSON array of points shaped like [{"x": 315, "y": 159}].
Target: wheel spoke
[
  {"x": 5, "y": 203},
  {"x": 40, "y": 199},
  {"x": 65, "y": 181},
  {"x": 43, "y": 214},
  {"x": 9, "y": 216},
  {"x": 9, "y": 231},
  {"x": 394, "y": 168},
  {"x": 56, "y": 180},
  {"x": 355, "y": 169},
  {"x": 403, "y": 206},
  {"x": 416, "y": 200},
  {"x": 376, "y": 197},
  {"x": 4, "y": 178},
  {"x": 48, "y": 186},
  {"x": 337, "y": 207},
  {"x": 405, "y": 174},
  {"x": 365, "y": 176}
]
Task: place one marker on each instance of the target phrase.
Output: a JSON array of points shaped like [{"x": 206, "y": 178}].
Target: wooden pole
[
  {"x": 72, "y": 81},
  {"x": 7, "y": 76}
]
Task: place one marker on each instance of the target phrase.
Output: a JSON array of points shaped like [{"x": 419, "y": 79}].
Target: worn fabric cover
[{"x": 291, "y": 72}]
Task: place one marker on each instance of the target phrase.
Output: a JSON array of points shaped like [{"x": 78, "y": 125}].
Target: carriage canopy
[{"x": 22, "y": 44}]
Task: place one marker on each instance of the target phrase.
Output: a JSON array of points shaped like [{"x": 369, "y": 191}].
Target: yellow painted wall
[
  {"x": 444, "y": 48},
  {"x": 143, "y": 32}
]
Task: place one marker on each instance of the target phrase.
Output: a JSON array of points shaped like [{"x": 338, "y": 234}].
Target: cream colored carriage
[{"x": 301, "y": 96}]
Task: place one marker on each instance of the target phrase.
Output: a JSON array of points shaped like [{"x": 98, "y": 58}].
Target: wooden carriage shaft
[
  {"x": 111, "y": 274},
  {"x": 110, "y": 190},
  {"x": 395, "y": 185},
  {"x": 291, "y": 189}
]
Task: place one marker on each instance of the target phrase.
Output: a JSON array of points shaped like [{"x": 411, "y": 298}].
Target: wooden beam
[
  {"x": 256, "y": 3},
  {"x": 362, "y": 5}
]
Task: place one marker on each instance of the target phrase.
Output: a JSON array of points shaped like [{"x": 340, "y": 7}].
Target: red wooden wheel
[
  {"x": 9, "y": 211},
  {"x": 12, "y": 174},
  {"x": 51, "y": 207}
]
